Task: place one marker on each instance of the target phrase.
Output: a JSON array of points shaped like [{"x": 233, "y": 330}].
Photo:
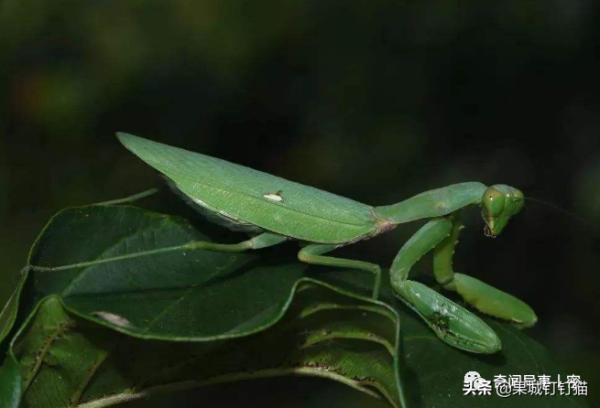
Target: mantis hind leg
[
  {"x": 480, "y": 295},
  {"x": 312, "y": 254},
  {"x": 263, "y": 240},
  {"x": 131, "y": 198}
]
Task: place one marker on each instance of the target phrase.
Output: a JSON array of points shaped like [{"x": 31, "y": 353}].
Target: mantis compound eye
[
  {"x": 493, "y": 202},
  {"x": 499, "y": 203}
]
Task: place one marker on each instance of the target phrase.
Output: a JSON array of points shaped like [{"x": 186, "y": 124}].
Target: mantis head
[{"x": 500, "y": 202}]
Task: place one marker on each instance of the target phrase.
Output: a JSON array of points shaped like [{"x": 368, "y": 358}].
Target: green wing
[{"x": 250, "y": 196}]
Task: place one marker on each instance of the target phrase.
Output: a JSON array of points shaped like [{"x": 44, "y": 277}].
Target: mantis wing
[{"x": 250, "y": 196}]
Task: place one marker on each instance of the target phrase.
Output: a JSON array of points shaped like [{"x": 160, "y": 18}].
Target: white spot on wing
[{"x": 274, "y": 196}]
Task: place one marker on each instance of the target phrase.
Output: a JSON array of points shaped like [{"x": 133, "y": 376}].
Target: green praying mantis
[{"x": 274, "y": 210}]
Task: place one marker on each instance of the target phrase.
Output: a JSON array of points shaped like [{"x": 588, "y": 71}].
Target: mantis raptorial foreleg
[
  {"x": 481, "y": 296},
  {"x": 312, "y": 254},
  {"x": 451, "y": 322}
]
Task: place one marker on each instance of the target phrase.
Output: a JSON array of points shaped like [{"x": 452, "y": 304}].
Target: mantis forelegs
[
  {"x": 452, "y": 323},
  {"x": 312, "y": 254},
  {"x": 481, "y": 296}
]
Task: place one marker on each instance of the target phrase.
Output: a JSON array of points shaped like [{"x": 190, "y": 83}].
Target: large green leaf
[
  {"x": 69, "y": 361},
  {"x": 178, "y": 295}
]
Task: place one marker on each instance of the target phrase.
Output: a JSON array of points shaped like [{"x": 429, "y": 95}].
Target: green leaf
[
  {"x": 178, "y": 295},
  {"x": 8, "y": 315},
  {"x": 10, "y": 384},
  {"x": 69, "y": 361}
]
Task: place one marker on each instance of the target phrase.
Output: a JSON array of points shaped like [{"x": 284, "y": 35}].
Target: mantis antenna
[{"x": 560, "y": 210}]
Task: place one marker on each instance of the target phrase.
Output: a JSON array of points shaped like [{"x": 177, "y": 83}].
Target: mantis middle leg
[
  {"x": 480, "y": 295},
  {"x": 312, "y": 254}
]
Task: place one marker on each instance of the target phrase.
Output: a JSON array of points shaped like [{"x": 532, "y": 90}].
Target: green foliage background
[{"x": 374, "y": 100}]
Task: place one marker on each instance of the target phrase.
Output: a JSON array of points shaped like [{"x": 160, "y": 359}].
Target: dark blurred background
[{"x": 374, "y": 100}]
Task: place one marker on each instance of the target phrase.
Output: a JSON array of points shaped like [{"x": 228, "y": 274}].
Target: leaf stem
[{"x": 187, "y": 385}]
